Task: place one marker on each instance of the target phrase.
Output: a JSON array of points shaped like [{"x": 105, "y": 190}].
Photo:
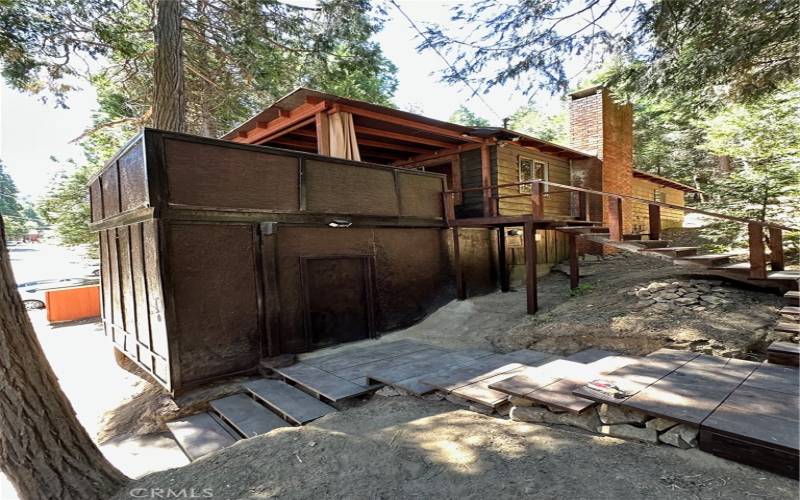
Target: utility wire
[{"x": 443, "y": 58}]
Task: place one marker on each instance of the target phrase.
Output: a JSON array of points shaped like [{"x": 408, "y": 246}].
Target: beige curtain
[{"x": 343, "y": 137}]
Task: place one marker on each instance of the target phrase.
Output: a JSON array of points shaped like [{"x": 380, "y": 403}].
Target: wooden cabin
[{"x": 324, "y": 220}]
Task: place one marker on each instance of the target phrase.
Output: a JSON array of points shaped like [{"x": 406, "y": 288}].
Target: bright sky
[{"x": 26, "y": 150}]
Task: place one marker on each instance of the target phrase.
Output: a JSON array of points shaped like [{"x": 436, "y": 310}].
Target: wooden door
[{"x": 338, "y": 295}]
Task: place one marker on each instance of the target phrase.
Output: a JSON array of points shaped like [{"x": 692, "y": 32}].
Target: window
[
  {"x": 529, "y": 170},
  {"x": 659, "y": 196}
]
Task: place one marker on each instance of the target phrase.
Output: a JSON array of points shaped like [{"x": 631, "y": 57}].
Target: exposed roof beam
[
  {"x": 290, "y": 130},
  {"x": 300, "y": 113},
  {"x": 406, "y": 123},
  {"x": 437, "y": 154},
  {"x": 376, "y": 132},
  {"x": 369, "y": 142}
]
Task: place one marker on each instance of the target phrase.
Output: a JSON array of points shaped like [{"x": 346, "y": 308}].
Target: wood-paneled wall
[{"x": 670, "y": 217}]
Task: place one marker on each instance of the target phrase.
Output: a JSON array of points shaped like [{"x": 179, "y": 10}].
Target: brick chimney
[{"x": 602, "y": 127}]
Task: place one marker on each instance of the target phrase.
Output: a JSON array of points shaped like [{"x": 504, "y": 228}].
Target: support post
[
  {"x": 530, "y": 268},
  {"x": 758, "y": 258},
  {"x": 489, "y": 209},
  {"x": 537, "y": 201},
  {"x": 502, "y": 263},
  {"x": 655, "y": 221},
  {"x": 776, "y": 248},
  {"x": 449, "y": 208},
  {"x": 583, "y": 205},
  {"x": 615, "y": 219},
  {"x": 574, "y": 273},
  {"x": 323, "y": 133},
  {"x": 461, "y": 292}
]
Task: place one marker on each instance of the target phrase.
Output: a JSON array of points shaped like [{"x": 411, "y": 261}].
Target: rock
[
  {"x": 612, "y": 415},
  {"x": 685, "y": 301},
  {"x": 692, "y": 295},
  {"x": 698, "y": 308},
  {"x": 587, "y": 420},
  {"x": 644, "y": 303},
  {"x": 433, "y": 396},
  {"x": 389, "y": 392},
  {"x": 626, "y": 431},
  {"x": 656, "y": 286},
  {"x": 668, "y": 296},
  {"x": 660, "y": 424},
  {"x": 681, "y": 436},
  {"x": 504, "y": 409},
  {"x": 591, "y": 258},
  {"x": 661, "y": 307},
  {"x": 518, "y": 401},
  {"x": 712, "y": 299},
  {"x": 702, "y": 287},
  {"x": 643, "y": 293}
]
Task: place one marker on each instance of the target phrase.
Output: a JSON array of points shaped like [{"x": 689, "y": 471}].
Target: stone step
[
  {"x": 201, "y": 434},
  {"x": 787, "y": 326},
  {"x": 674, "y": 251},
  {"x": 707, "y": 260},
  {"x": 790, "y": 310},
  {"x": 245, "y": 415},
  {"x": 792, "y": 297},
  {"x": 291, "y": 403}
]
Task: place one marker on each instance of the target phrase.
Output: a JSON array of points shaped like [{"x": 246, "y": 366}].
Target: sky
[{"x": 26, "y": 150}]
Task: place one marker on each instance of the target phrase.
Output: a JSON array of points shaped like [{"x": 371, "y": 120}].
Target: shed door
[{"x": 338, "y": 299}]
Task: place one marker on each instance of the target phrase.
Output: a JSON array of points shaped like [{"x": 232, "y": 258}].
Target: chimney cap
[{"x": 587, "y": 91}]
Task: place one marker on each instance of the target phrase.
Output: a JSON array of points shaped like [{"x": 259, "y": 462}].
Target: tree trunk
[
  {"x": 44, "y": 450},
  {"x": 169, "y": 100}
]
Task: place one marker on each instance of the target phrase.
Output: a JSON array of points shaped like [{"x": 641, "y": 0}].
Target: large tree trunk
[
  {"x": 44, "y": 450},
  {"x": 169, "y": 100}
]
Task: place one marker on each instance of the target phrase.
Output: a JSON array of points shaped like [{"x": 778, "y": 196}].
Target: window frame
[{"x": 545, "y": 166}]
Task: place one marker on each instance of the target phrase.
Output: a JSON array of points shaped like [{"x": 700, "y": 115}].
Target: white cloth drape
[{"x": 343, "y": 137}]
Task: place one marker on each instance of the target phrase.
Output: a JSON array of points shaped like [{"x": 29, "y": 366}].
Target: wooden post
[
  {"x": 537, "y": 201},
  {"x": 758, "y": 258},
  {"x": 502, "y": 263},
  {"x": 461, "y": 292},
  {"x": 655, "y": 221},
  {"x": 489, "y": 208},
  {"x": 574, "y": 273},
  {"x": 776, "y": 248},
  {"x": 615, "y": 219},
  {"x": 323, "y": 133},
  {"x": 530, "y": 268},
  {"x": 583, "y": 205},
  {"x": 449, "y": 208}
]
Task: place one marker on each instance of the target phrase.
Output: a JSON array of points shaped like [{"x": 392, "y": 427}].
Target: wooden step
[
  {"x": 708, "y": 260},
  {"x": 784, "y": 353},
  {"x": 784, "y": 275},
  {"x": 736, "y": 266},
  {"x": 247, "y": 416},
  {"x": 673, "y": 251},
  {"x": 574, "y": 229},
  {"x": 653, "y": 243},
  {"x": 792, "y": 297},
  {"x": 631, "y": 237},
  {"x": 201, "y": 434},
  {"x": 293, "y": 404},
  {"x": 321, "y": 383},
  {"x": 790, "y": 310},
  {"x": 787, "y": 326}
]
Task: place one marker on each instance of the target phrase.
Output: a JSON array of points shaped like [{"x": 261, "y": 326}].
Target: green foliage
[
  {"x": 548, "y": 127},
  {"x": 465, "y": 116},
  {"x": 705, "y": 52},
  {"x": 239, "y": 56},
  {"x": 581, "y": 289},
  {"x": 18, "y": 215}
]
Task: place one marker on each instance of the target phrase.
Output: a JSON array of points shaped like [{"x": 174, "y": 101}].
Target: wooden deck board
[
  {"x": 391, "y": 374},
  {"x": 481, "y": 392},
  {"x": 358, "y": 373},
  {"x": 200, "y": 434},
  {"x": 322, "y": 382},
  {"x": 450, "y": 380},
  {"x": 776, "y": 378},
  {"x": 247, "y": 416},
  {"x": 295, "y": 404},
  {"x": 365, "y": 354}
]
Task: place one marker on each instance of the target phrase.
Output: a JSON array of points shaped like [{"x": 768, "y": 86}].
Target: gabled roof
[{"x": 663, "y": 181}]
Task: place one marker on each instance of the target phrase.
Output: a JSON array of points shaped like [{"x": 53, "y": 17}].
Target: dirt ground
[{"x": 405, "y": 447}]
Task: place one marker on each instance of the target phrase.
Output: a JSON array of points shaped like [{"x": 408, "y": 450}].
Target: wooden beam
[
  {"x": 300, "y": 113},
  {"x": 284, "y": 113},
  {"x": 294, "y": 128},
  {"x": 537, "y": 201},
  {"x": 486, "y": 181},
  {"x": 306, "y": 146},
  {"x": 461, "y": 292},
  {"x": 390, "y": 146},
  {"x": 574, "y": 272},
  {"x": 615, "y": 226},
  {"x": 776, "y": 249},
  {"x": 502, "y": 263},
  {"x": 403, "y": 122},
  {"x": 438, "y": 154},
  {"x": 375, "y": 132},
  {"x": 758, "y": 257},
  {"x": 323, "y": 133},
  {"x": 654, "y": 212},
  {"x": 531, "y": 294}
]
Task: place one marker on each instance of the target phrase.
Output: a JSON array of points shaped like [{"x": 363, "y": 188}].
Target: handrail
[{"x": 627, "y": 197}]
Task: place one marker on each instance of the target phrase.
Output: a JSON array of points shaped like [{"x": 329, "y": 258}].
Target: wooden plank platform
[
  {"x": 391, "y": 374},
  {"x": 321, "y": 382},
  {"x": 450, "y": 380},
  {"x": 294, "y": 404},
  {"x": 775, "y": 378},
  {"x": 784, "y": 353},
  {"x": 201, "y": 434},
  {"x": 481, "y": 392},
  {"x": 358, "y": 373},
  {"x": 245, "y": 415},
  {"x": 790, "y": 310},
  {"x": 359, "y": 355},
  {"x": 788, "y": 327}
]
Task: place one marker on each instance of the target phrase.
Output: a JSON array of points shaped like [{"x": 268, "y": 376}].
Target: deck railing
[{"x": 614, "y": 215}]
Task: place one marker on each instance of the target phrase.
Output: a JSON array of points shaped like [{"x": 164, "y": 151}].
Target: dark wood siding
[
  {"x": 133, "y": 178},
  {"x": 472, "y": 205}
]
